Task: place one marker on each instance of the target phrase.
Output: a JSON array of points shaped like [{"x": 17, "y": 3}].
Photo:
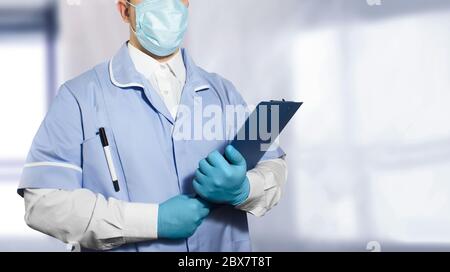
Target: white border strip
[
  {"x": 114, "y": 81},
  {"x": 55, "y": 164}
]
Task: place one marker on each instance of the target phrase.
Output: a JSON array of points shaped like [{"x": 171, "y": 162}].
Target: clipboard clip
[{"x": 282, "y": 100}]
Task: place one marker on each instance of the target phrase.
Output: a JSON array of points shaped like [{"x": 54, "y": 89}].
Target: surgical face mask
[{"x": 161, "y": 25}]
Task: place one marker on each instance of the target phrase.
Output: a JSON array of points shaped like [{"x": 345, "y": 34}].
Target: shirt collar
[
  {"x": 146, "y": 65},
  {"x": 176, "y": 64},
  {"x": 124, "y": 74}
]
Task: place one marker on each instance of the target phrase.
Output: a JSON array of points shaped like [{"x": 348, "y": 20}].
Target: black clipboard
[{"x": 253, "y": 144}]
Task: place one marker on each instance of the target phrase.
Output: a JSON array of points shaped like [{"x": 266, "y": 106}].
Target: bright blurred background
[{"x": 369, "y": 153}]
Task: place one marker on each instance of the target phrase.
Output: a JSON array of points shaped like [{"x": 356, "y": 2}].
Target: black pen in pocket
[{"x": 109, "y": 159}]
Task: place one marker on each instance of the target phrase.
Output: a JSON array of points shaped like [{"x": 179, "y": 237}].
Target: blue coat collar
[{"x": 123, "y": 74}]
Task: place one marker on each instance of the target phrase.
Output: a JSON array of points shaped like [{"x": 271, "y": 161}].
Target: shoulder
[
  {"x": 224, "y": 87},
  {"x": 86, "y": 84},
  {"x": 78, "y": 95},
  {"x": 216, "y": 80}
]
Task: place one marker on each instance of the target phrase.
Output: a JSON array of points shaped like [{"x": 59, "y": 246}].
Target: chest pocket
[{"x": 96, "y": 173}]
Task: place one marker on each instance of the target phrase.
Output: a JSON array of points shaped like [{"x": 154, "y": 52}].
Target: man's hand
[
  {"x": 179, "y": 217},
  {"x": 223, "y": 180}
]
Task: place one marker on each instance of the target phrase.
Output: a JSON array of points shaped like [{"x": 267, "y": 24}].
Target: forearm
[
  {"x": 83, "y": 217},
  {"x": 267, "y": 180}
]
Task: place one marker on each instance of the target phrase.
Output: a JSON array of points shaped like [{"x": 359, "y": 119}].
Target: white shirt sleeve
[
  {"x": 88, "y": 219},
  {"x": 266, "y": 184}
]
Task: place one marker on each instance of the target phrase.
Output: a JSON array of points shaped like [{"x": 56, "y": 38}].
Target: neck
[{"x": 135, "y": 43}]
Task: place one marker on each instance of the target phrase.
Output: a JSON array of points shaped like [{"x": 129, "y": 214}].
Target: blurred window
[
  {"x": 27, "y": 34},
  {"x": 27, "y": 71}
]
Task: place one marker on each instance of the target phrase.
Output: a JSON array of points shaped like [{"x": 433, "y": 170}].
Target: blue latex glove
[
  {"x": 223, "y": 180},
  {"x": 179, "y": 217}
]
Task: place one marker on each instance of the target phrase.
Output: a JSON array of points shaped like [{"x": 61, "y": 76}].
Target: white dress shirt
[
  {"x": 82, "y": 217},
  {"x": 167, "y": 79}
]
